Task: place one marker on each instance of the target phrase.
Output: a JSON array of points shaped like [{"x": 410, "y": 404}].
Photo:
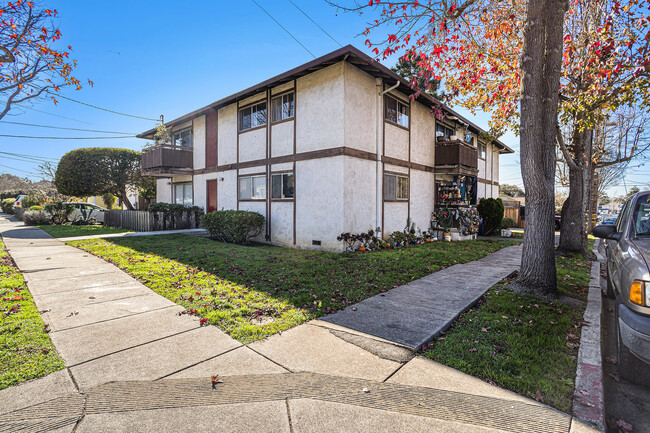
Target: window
[
  {"x": 253, "y": 116},
  {"x": 183, "y": 138},
  {"x": 446, "y": 132},
  {"x": 641, "y": 216},
  {"x": 183, "y": 193},
  {"x": 282, "y": 185},
  {"x": 481, "y": 150},
  {"x": 396, "y": 187},
  {"x": 282, "y": 107},
  {"x": 252, "y": 188},
  {"x": 397, "y": 111},
  {"x": 469, "y": 139}
]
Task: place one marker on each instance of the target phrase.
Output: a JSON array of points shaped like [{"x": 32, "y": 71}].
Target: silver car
[
  {"x": 87, "y": 211},
  {"x": 628, "y": 281}
]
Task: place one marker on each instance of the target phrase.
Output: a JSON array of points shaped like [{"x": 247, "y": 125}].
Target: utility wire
[
  {"x": 33, "y": 161},
  {"x": 56, "y": 115},
  {"x": 315, "y": 23},
  {"x": 103, "y": 109},
  {"x": 67, "y": 129},
  {"x": 22, "y": 155},
  {"x": 288, "y": 32},
  {"x": 65, "y": 138},
  {"x": 17, "y": 169}
]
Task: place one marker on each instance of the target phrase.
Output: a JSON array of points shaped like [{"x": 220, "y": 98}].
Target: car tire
[
  {"x": 557, "y": 226},
  {"x": 629, "y": 366}
]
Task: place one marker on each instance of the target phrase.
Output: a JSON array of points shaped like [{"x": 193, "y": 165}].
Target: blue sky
[{"x": 154, "y": 58}]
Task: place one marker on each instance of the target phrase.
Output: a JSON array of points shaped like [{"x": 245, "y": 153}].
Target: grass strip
[{"x": 65, "y": 231}]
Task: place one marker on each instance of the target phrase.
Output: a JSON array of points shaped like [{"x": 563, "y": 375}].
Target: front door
[{"x": 212, "y": 195}]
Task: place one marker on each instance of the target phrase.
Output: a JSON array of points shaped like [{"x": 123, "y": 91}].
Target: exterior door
[{"x": 212, "y": 195}]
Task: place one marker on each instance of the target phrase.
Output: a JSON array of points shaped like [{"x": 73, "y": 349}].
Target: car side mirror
[{"x": 606, "y": 232}]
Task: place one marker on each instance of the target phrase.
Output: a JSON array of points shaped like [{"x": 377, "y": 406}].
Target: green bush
[
  {"x": 233, "y": 226},
  {"x": 29, "y": 201},
  {"x": 170, "y": 207},
  {"x": 7, "y": 205},
  {"x": 59, "y": 211},
  {"x": 506, "y": 223},
  {"x": 491, "y": 210},
  {"x": 37, "y": 207},
  {"x": 36, "y": 218}
]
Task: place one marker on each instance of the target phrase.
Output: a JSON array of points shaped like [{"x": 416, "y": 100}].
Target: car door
[
  {"x": 617, "y": 250},
  {"x": 95, "y": 212}
]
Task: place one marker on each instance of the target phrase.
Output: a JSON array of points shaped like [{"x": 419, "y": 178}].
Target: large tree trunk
[
  {"x": 541, "y": 66},
  {"x": 125, "y": 201}
]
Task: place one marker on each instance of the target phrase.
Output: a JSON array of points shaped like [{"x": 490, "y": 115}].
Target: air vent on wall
[{"x": 317, "y": 243}]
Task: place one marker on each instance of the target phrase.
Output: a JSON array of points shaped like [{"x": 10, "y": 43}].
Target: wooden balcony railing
[
  {"x": 166, "y": 157},
  {"x": 456, "y": 153}
]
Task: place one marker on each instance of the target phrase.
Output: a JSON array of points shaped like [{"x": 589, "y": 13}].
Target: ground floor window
[
  {"x": 396, "y": 187},
  {"x": 282, "y": 186},
  {"x": 183, "y": 193},
  {"x": 252, "y": 187}
]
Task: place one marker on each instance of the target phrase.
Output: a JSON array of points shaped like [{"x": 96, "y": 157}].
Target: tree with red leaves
[{"x": 31, "y": 64}]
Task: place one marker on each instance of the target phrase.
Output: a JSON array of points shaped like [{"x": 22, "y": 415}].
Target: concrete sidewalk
[{"x": 134, "y": 364}]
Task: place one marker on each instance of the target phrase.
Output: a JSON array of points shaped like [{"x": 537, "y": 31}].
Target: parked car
[
  {"x": 627, "y": 247},
  {"x": 558, "y": 223},
  {"x": 19, "y": 199},
  {"x": 87, "y": 211}
]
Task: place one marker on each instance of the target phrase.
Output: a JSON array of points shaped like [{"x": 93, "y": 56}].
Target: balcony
[
  {"x": 456, "y": 157},
  {"x": 167, "y": 159}
]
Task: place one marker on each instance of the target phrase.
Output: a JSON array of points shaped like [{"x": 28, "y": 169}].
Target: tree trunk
[
  {"x": 125, "y": 201},
  {"x": 541, "y": 66}
]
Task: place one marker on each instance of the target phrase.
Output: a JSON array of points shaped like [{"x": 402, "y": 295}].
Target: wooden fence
[{"x": 144, "y": 221}]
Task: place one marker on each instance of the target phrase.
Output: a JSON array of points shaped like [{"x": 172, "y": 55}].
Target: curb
[{"x": 588, "y": 400}]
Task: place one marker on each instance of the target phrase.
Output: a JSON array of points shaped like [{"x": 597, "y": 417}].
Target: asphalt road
[{"x": 626, "y": 404}]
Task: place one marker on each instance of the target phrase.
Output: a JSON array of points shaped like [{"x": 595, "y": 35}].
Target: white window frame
[
  {"x": 482, "y": 150},
  {"x": 447, "y": 132},
  {"x": 176, "y": 135},
  {"x": 255, "y": 121},
  {"x": 393, "y": 177},
  {"x": 182, "y": 199},
  {"x": 282, "y": 192},
  {"x": 251, "y": 181},
  {"x": 402, "y": 119},
  {"x": 287, "y": 106}
]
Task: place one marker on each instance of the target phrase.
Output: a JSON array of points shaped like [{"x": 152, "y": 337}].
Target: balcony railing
[
  {"x": 167, "y": 158},
  {"x": 456, "y": 153}
]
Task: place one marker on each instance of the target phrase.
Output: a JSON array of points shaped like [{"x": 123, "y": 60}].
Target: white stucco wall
[
  {"x": 360, "y": 121},
  {"x": 359, "y": 189},
  {"x": 282, "y": 223},
  {"x": 198, "y": 142},
  {"x": 423, "y": 135},
  {"x": 395, "y": 215},
  {"x": 227, "y": 190},
  {"x": 227, "y": 134},
  {"x": 396, "y": 142},
  {"x": 163, "y": 190},
  {"x": 319, "y": 109},
  {"x": 282, "y": 138},
  {"x": 200, "y": 189},
  {"x": 319, "y": 202},
  {"x": 422, "y": 189},
  {"x": 252, "y": 145}
]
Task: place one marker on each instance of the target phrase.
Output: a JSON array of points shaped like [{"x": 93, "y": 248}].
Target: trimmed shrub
[
  {"x": 506, "y": 223},
  {"x": 491, "y": 210},
  {"x": 59, "y": 211},
  {"x": 36, "y": 218},
  {"x": 7, "y": 205},
  {"x": 170, "y": 207},
  {"x": 37, "y": 207},
  {"x": 29, "y": 201},
  {"x": 233, "y": 226}
]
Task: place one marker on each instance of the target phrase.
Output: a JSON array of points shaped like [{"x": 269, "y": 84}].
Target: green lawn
[
  {"x": 69, "y": 231},
  {"x": 255, "y": 291},
  {"x": 522, "y": 342},
  {"x": 26, "y": 351}
]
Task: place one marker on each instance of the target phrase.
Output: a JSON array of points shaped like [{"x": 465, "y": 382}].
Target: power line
[
  {"x": 65, "y": 138},
  {"x": 288, "y": 32},
  {"x": 56, "y": 115},
  {"x": 103, "y": 109},
  {"x": 316, "y": 24},
  {"x": 17, "y": 169},
  {"x": 36, "y": 158},
  {"x": 33, "y": 161},
  {"x": 67, "y": 129}
]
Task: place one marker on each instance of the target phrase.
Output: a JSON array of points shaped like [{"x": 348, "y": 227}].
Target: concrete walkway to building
[{"x": 135, "y": 364}]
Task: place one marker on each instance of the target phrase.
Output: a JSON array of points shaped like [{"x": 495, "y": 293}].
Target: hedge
[{"x": 233, "y": 226}]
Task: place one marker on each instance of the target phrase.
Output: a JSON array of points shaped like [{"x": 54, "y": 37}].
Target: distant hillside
[{"x": 9, "y": 182}]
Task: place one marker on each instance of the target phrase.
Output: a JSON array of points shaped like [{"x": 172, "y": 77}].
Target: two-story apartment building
[{"x": 335, "y": 145}]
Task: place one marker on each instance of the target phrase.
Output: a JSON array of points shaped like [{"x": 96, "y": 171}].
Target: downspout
[{"x": 380, "y": 138}]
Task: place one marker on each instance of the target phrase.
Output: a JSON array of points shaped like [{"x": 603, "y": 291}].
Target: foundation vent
[{"x": 316, "y": 243}]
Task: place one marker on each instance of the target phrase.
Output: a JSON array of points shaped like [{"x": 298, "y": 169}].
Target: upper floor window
[
  {"x": 252, "y": 116},
  {"x": 396, "y": 187},
  {"x": 252, "y": 187},
  {"x": 482, "y": 150},
  {"x": 397, "y": 111},
  {"x": 282, "y": 107},
  {"x": 183, "y": 138},
  {"x": 443, "y": 131},
  {"x": 282, "y": 185},
  {"x": 469, "y": 139}
]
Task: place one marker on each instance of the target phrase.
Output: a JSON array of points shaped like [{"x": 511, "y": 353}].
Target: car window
[
  {"x": 622, "y": 216},
  {"x": 641, "y": 216}
]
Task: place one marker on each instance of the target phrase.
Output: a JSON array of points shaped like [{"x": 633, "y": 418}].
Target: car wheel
[
  {"x": 557, "y": 226},
  {"x": 609, "y": 291},
  {"x": 629, "y": 366}
]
